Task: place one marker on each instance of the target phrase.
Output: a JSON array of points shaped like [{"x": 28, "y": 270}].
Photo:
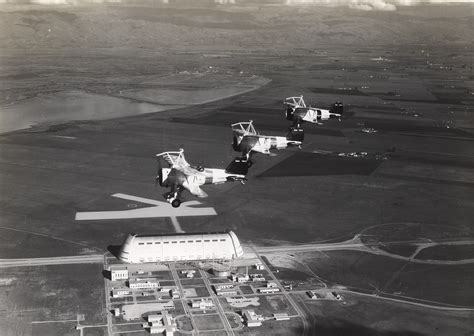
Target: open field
[
  {"x": 365, "y": 315},
  {"x": 436, "y": 279},
  {"x": 208, "y": 322},
  {"x": 96, "y": 331},
  {"x": 57, "y": 329},
  {"x": 361, "y": 271},
  {"x": 56, "y": 294},
  {"x": 272, "y": 327},
  {"x": 448, "y": 252}
]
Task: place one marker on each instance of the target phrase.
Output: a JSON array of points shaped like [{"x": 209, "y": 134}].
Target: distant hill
[{"x": 244, "y": 26}]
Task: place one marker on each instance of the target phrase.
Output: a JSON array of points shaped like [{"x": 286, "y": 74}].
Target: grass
[
  {"x": 272, "y": 327},
  {"x": 128, "y": 327},
  {"x": 208, "y": 322},
  {"x": 271, "y": 304},
  {"x": 56, "y": 293},
  {"x": 184, "y": 323},
  {"x": 446, "y": 284},
  {"x": 188, "y": 283},
  {"x": 246, "y": 289},
  {"x": 96, "y": 331},
  {"x": 54, "y": 329},
  {"x": 447, "y": 252},
  {"x": 358, "y": 316},
  {"x": 201, "y": 291},
  {"x": 353, "y": 269}
]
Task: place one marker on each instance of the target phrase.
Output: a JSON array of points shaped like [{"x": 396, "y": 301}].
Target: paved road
[
  {"x": 82, "y": 259},
  {"x": 352, "y": 244},
  {"x": 217, "y": 304},
  {"x": 182, "y": 298},
  {"x": 356, "y": 244}
]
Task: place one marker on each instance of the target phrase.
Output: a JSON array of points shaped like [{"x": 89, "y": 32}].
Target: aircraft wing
[
  {"x": 263, "y": 151},
  {"x": 194, "y": 189},
  {"x": 294, "y": 102},
  {"x": 244, "y": 128},
  {"x": 311, "y": 115},
  {"x": 174, "y": 159}
]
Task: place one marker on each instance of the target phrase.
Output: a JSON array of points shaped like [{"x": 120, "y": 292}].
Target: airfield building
[
  {"x": 119, "y": 273},
  {"x": 180, "y": 246},
  {"x": 143, "y": 284},
  {"x": 251, "y": 318}
]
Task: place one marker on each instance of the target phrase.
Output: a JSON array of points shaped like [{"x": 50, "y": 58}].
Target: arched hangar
[{"x": 180, "y": 246}]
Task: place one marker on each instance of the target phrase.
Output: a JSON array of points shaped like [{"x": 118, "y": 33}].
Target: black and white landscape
[{"x": 376, "y": 207}]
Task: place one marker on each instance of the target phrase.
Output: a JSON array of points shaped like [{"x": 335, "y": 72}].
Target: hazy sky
[
  {"x": 383, "y": 5},
  {"x": 387, "y": 5}
]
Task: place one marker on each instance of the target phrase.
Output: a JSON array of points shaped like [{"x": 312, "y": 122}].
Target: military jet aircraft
[
  {"x": 176, "y": 173},
  {"x": 246, "y": 140},
  {"x": 298, "y": 112}
]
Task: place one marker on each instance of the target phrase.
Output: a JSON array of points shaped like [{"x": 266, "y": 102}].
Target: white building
[
  {"x": 143, "y": 284},
  {"x": 271, "y": 284},
  {"x": 162, "y": 323},
  {"x": 157, "y": 329},
  {"x": 240, "y": 278},
  {"x": 225, "y": 289},
  {"x": 153, "y": 318},
  {"x": 258, "y": 278},
  {"x": 312, "y": 295},
  {"x": 259, "y": 266},
  {"x": 120, "y": 273},
  {"x": 189, "y": 273},
  {"x": 203, "y": 304},
  {"x": 174, "y": 293},
  {"x": 227, "y": 292},
  {"x": 269, "y": 290},
  {"x": 180, "y": 246},
  {"x": 219, "y": 287},
  {"x": 120, "y": 292},
  {"x": 281, "y": 316},
  {"x": 251, "y": 318}
]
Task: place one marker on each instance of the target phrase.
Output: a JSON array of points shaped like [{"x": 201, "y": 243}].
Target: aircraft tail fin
[
  {"x": 337, "y": 108},
  {"x": 238, "y": 166},
  {"x": 295, "y": 134}
]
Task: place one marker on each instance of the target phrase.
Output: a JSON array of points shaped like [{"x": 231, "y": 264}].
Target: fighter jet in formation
[
  {"x": 176, "y": 173},
  {"x": 298, "y": 112},
  {"x": 246, "y": 140}
]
